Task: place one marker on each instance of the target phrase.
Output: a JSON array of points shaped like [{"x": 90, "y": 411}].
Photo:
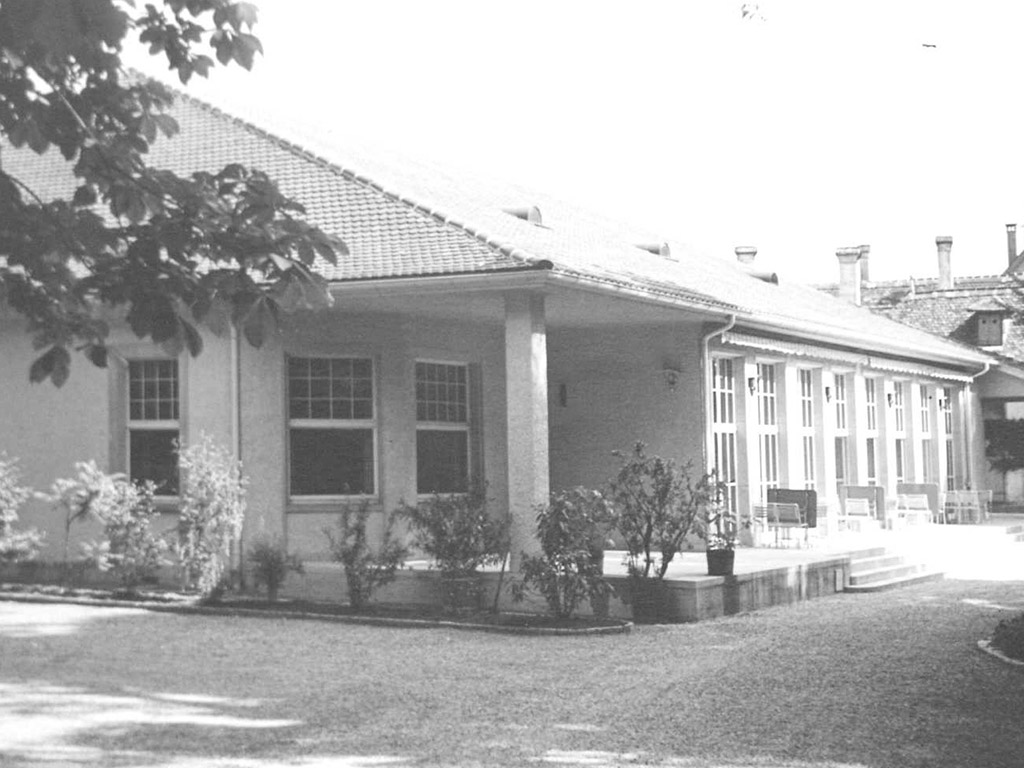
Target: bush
[
  {"x": 77, "y": 496},
  {"x": 130, "y": 548},
  {"x": 1009, "y": 637},
  {"x": 271, "y": 564},
  {"x": 572, "y": 529},
  {"x": 211, "y": 513},
  {"x": 365, "y": 568},
  {"x": 657, "y": 505},
  {"x": 15, "y": 546}
]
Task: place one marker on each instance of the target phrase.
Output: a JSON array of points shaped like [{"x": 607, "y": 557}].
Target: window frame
[
  {"x": 899, "y": 416},
  {"x": 371, "y": 423},
  {"x": 446, "y": 426},
  {"x": 151, "y": 425},
  {"x": 767, "y": 427},
  {"x": 805, "y": 378},
  {"x": 871, "y": 432},
  {"x": 723, "y": 425}
]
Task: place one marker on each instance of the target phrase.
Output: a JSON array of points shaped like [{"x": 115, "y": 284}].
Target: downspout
[
  {"x": 707, "y": 387},
  {"x": 235, "y": 389},
  {"x": 969, "y": 433}
]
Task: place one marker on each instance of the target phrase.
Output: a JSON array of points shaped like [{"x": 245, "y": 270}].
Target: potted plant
[
  {"x": 657, "y": 505},
  {"x": 457, "y": 532},
  {"x": 719, "y": 526}
]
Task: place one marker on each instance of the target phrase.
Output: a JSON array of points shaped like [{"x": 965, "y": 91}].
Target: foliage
[
  {"x": 365, "y": 568},
  {"x": 210, "y": 514},
  {"x": 14, "y": 545},
  {"x": 1009, "y": 637},
  {"x": 77, "y": 496},
  {"x": 718, "y": 525},
  {"x": 657, "y": 505},
  {"x": 569, "y": 569},
  {"x": 169, "y": 251},
  {"x": 1004, "y": 444},
  {"x": 130, "y": 548},
  {"x": 457, "y": 531},
  {"x": 271, "y": 564}
]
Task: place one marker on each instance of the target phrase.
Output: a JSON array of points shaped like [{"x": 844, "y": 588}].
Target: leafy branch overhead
[{"x": 165, "y": 252}]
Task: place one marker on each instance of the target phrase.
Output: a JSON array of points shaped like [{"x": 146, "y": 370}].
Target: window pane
[
  {"x": 331, "y": 462},
  {"x": 328, "y": 388},
  {"x": 442, "y": 462},
  {"x": 152, "y": 456},
  {"x": 441, "y": 392}
]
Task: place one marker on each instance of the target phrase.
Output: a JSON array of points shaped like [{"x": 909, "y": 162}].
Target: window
[
  {"x": 442, "y": 428},
  {"x": 723, "y": 421},
  {"x": 927, "y": 462},
  {"x": 947, "y": 425},
  {"x": 990, "y": 329},
  {"x": 807, "y": 425},
  {"x": 900, "y": 423},
  {"x": 153, "y": 427},
  {"x": 871, "y": 431},
  {"x": 332, "y": 431},
  {"x": 842, "y": 432},
  {"x": 768, "y": 428}
]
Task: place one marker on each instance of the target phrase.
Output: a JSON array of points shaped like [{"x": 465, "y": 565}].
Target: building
[{"x": 496, "y": 334}]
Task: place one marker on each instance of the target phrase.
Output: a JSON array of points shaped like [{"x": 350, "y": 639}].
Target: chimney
[
  {"x": 745, "y": 254},
  {"x": 1011, "y": 242},
  {"x": 849, "y": 274},
  {"x": 865, "y": 254},
  {"x": 944, "y": 243}
]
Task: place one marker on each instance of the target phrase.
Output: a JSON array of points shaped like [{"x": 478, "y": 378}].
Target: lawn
[{"x": 891, "y": 679}]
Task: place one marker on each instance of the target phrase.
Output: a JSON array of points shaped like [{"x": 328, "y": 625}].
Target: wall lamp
[
  {"x": 752, "y": 385},
  {"x": 888, "y": 398},
  {"x": 671, "y": 377},
  {"x": 828, "y": 394}
]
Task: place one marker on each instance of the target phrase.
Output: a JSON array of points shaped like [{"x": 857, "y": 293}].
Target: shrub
[
  {"x": 457, "y": 532},
  {"x": 365, "y": 568},
  {"x": 130, "y": 548},
  {"x": 1009, "y": 637},
  {"x": 271, "y": 564},
  {"x": 657, "y": 505},
  {"x": 77, "y": 496},
  {"x": 211, "y": 512},
  {"x": 571, "y": 529},
  {"x": 15, "y": 546}
]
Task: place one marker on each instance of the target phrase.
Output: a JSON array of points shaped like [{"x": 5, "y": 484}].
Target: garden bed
[{"x": 258, "y": 606}]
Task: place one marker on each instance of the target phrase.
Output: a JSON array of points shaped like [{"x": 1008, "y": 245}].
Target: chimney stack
[
  {"x": 1011, "y": 243},
  {"x": 944, "y": 244},
  {"x": 865, "y": 255},
  {"x": 745, "y": 254},
  {"x": 849, "y": 274}
]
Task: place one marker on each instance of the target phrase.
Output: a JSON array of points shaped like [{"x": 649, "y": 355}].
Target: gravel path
[{"x": 888, "y": 679}]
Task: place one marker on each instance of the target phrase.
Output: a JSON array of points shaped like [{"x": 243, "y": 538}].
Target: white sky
[{"x": 825, "y": 123}]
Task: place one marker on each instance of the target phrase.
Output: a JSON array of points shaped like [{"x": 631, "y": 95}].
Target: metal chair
[{"x": 781, "y": 516}]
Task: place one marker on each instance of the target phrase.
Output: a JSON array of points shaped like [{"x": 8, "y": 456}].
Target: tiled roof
[{"x": 404, "y": 219}]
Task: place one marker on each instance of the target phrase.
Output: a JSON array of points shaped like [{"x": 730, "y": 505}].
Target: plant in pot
[
  {"x": 572, "y": 529},
  {"x": 657, "y": 504},
  {"x": 719, "y": 526},
  {"x": 457, "y": 532}
]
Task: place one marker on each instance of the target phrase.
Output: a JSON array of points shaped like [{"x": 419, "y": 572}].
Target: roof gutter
[{"x": 707, "y": 387}]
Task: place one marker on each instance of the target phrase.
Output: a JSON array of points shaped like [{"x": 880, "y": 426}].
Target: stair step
[
  {"x": 1015, "y": 529},
  {"x": 1017, "y": 537},
  {"x": 887, "y": 573},
  {"x": 863, "y": 564},
  {"x": 903, "y": 581}
]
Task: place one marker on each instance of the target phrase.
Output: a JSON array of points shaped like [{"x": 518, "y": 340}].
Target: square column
[{"x": 526, "y": 387}]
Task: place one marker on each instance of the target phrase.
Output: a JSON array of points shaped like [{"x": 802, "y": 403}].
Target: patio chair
[
  {"x": 780, "y": 516},
  {"x": 969, "y": 506},
  {"x": 913, "y": 508},
  {"x": 856, "y": 514}
]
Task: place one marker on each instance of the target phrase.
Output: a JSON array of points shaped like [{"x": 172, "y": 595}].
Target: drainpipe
[
  {"x": 706, "y": 386},
  {"x": 969, "y": 432},
  {"x": 235, "y": 388}
]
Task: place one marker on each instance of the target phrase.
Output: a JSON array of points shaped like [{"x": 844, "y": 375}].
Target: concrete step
[
  {"x": 887, "y": 573},
  {"x": 1013, "y": 530},
  {"x": 860, "y": 565},
  {"x": 1017, "y": 536},
  {"x": 894, "y": 583}
]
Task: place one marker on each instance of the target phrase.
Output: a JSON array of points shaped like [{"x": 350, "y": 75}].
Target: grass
[{"x": 888, "y": 679}]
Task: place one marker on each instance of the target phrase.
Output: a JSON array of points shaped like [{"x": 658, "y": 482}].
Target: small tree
[
  {"x": 76, "y": 497},
  {"x": 658, "y": 505},
  {"x": 571, "y": 530},
  {"x": 271, "y": 564},
  {"x": 130, "y": 548},
  {"x": 211, "y": 512},
  {"x": 365, "y": 568},
  {"x": 14, "y": 545}
]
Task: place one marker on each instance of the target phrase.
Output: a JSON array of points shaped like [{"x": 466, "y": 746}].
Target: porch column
[{"x": 526, "y": 386}]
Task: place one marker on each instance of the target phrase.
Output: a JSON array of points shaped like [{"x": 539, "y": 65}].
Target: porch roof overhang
[{"x": 847, "y": 357}]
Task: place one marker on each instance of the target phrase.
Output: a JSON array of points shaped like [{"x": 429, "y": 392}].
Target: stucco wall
[{"x": 616, "y": 394}]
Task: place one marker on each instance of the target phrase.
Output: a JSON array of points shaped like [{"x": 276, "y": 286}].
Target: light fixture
[
  {"x": 563, "y": 395},
  {"x": 752, "y": 385},
  {"x": 671, "y": 377},
  {"x": 888, "y": 398},
  {"x": 828, "y": 394}
]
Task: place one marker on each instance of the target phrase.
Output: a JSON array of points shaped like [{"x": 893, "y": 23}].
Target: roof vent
[
  {"x": 530, "y": 214},
  {"x": 658, "y": 249},
  {"x": 745, "y": 254},
  {"x": 763, "y": 275}
]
